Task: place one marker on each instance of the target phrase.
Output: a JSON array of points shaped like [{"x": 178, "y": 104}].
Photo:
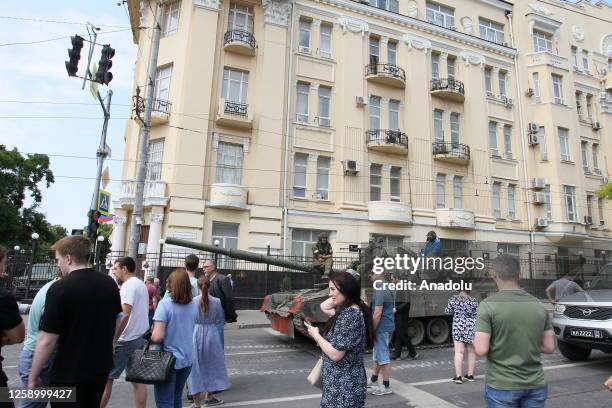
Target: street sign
[
  {"x": 353, "y": 248},
  {"x": 104, "y": 198},
  {"x": 93, "y": 86}
]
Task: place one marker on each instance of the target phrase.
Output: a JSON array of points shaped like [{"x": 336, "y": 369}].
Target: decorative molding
[
  {"x": 157, "y": 218},
  {"x": 540, "y": 9},
  {"x": 418, "y": 43},
  {"x": 384, "y": 40},
  {"x": 312, "y": 158},
  {"x": 214, "y": 5},
  {"x": 473, "y": 58},
  {"x": 215, "y": 141},
  {"x": 606, "y": 45},
  {"x": 316, "y": 22},
  {"x": 578, "y": 33},
  {"x": 386, "y": 168},
  {"x": 277, "y": 12},
  {"x": 468, "y": 25},
  {"x": 314, "y": 87},
  {"x": 353, "y": 25},
  {"x": 413, "y": 9},
  {"x": 119, "y": 220}
]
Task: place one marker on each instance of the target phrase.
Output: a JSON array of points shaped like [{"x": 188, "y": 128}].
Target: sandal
[{"x": 212, "y": 402}]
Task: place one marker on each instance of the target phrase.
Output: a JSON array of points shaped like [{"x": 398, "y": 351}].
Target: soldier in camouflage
[{"x": 322, "y": 255}]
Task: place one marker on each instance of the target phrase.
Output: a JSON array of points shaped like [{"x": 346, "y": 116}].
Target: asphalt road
[{"x": 269, "y": 370}]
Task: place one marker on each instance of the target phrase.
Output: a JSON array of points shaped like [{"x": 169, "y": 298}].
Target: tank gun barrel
[{"x": 239, "y": 254}]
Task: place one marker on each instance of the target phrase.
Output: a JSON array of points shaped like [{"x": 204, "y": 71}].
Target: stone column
[
  {"x": 119, "y": 231},
  {"x": 155, "y": 230}
]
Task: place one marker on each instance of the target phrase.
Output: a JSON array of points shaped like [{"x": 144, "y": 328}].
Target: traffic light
[
  {"x": 93, "y": 224},
  {"x": 104, "y": 76},
  {"x": 74, "y": 54}
]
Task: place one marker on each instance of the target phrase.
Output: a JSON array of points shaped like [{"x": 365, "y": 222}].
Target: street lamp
[
  {"x": 216, "y": 242},
  {"x": 35, "y": 237}
]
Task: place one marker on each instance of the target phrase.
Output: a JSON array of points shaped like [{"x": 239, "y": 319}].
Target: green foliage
[{"x": 605, "y": 191}]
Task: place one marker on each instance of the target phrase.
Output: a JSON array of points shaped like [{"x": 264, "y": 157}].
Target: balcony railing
[
  {"x": 240, "y": 36},
  {"x": 236, "y": 108},
  {"x": 162, "y": 106},
  {"x": 443, "y": 84},
  {"x": 387, "y": 136},
  {"x": 387, "y": 69},
  {"x": 451, "y": 150}
]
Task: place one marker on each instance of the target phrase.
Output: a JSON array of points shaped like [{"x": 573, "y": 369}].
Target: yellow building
[{"x": 275, "y": 120}]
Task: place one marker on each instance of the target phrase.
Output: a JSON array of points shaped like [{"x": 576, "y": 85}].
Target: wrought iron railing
[
  {"x": 388, "y": 69},
  {"x": 440, "y": 84},
  {"x": 162, "y": 106},
  {"x": 387, "y": 136},
  {"x": 236, "y": 108},
  {"x": 240, "y": 36},
  {"x": 455, "y": 149}
]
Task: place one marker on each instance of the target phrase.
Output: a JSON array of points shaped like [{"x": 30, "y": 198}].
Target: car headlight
[{"x": 559, "y": 309}]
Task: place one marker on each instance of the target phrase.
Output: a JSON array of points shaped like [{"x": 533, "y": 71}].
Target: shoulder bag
[
  {"x": 314, "y": 378},
  {"x": 149, "y": 366}
]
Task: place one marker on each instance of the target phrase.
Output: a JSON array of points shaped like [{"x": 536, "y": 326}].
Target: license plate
[{"x": 593, "y": 334}]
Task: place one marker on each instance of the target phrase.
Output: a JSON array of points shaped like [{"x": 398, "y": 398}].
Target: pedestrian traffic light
[
  {"x": 74, "y": 54},
  {"x": 104, "y": 76}
]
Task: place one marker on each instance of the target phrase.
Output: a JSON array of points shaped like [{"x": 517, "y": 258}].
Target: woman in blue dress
[
  {"x": 463, "y": 307},
  {"x": 208, "y": 372},
  {"x": 343, "y": 341}
]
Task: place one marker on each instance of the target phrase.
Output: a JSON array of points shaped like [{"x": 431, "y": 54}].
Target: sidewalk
[{"x": 249, "y": 319}]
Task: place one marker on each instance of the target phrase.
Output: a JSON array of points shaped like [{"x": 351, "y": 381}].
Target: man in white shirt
[{"x": 134, "y": 323}]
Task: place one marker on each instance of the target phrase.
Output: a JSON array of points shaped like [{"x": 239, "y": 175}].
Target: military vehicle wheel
[
  {"x": 438, "y": 330},
  {"x": 416, "y": 331}
]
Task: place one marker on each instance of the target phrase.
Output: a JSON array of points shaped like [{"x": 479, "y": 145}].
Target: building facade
[{"x": 276, "y": 120}]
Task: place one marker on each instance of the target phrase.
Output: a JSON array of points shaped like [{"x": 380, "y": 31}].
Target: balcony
[
  {"x": 154, "y": 193},
  {"x": 161, "y": 111},
  {"x": 448, "y": 88},
  {"x": 608, "y": 81},
  {"x": 228, "y": 196},
  {"x": 455, "y": 218},
  {"x": 387, "y": 141},
  {"x": 386, "y": 74},
  {"x": 453, "y": 152},
  {"x": 234, "y": 114},
  {"x": 240, "y": 42},
  {"x": 547, "y": 58},
  {"x": 389, "y": 212}
]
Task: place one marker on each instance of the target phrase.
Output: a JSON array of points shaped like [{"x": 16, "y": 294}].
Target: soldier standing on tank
[{"x": 323, "y": 255}]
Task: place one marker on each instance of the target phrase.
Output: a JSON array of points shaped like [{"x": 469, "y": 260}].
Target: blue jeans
[
  {"x": 532, "y": 398},
  {"x": 25, "y": 366},
  {"x": 170, "y": 393}
]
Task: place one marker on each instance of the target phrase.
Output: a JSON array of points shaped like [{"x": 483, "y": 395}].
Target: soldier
[
  {"x": 322, "y": 255},
  {"x": 433, "y": 247}
]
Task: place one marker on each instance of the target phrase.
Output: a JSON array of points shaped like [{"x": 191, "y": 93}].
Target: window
[
  {"x": 227, "y": 235},
  {"x": 374, "y": 50},
  {"x": 502, "y": 83},
  {"x": 457, "y": 191},
  {"x": 542, "y": 41},
  {"x": 229, "y": 163},
  {"x": 303, "y": 90},
  {"x": 496, "y": 195},
  {"x": 302, "y": 242},
  {"x": 396, "y": 178},
  {"x": 440, "y": 15},
  {"x": 542, "y": 140},
  {"x": 493, "y": 138},
  {"x": 589, "y": 105},
  {"x": 454, "y": 129},
  {"x": 489, "y": 81},
  {"x": 326, "y": 38},
  {"x": 585, "y": 162},
  {"x": 564, "y": 144},
  {"x": 156, "y": 158},
  {"x": 589, "y": 203},
  {"x": 491, "y": 31},
  {"x": 171, "y": 18},
  {"x": 585, "y": 60},
  {"x": 508, "y": 142},
  {"x": 394, "y": 115},
  {"x": 548, "y": 202},
  {"x": 305, "y": 36},
  {"x": 391, "y": 53},
  {"x": 579, "y": 105},
  {"x": 435, "y": 66},
  {"x": 450, "y": 67},
  {"x": 390, "y": 241},
  {"x": 594, "y": 152},
  {"x": 511, "y": 201},
  {"x": 510, "y": 249},
  {"x": 235, "y": 85},
  {"x": 375, "y": 182},
  {"x": 300, "y": 164},
  {"x": 323, "y": 177},
  {"x": 162, "y": 83},
  {"x": 600, "y": 205},
  {"x": 536, "y": 86},
  {"x": 324, "y": 106},
  {"x": 570, "y": 203},
  {"x": 374, "y": 112},
  {"x": 440, "y": 190},
  {"x": 574, "y": 57},
  {"x": 240, "y": 18},
  {"x": 557, "y": 81},
  {"x": 438, "y": 126}
]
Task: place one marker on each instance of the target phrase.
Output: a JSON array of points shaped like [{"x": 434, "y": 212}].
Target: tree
[
  {"x": 605, "y": 191},
  {"x": 20, "y": 177}
]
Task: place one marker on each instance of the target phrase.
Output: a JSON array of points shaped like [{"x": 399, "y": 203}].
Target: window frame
[
  {"x": 542, "y": 41},
  {"x": 245, "y": 11},
  {"x": 229, "y": 165},
  {"x": 508, "y": 142},
  {"x": 392, "y": 52},
  {"x": 376, "y": 182},
  {"x": 395, "y": 183},
  {"x": 324, "y": 98},
  {"x": 302, "y": 117},
  {"x": 325, "y": 38},
  {"x": 305, "y": 28},
  {"x": 440, "y": 190},
  {"x": 159, "y": 78},
  {"x": 436, "y": 11},
  {"x": 502, "y": 80},
  {"x": 155, "y": 167},
  {"x": 569, "y": 193},
  {"x": 548, "y": 202},
  {"x": 496, "y": 199},
  {"x": 457, "y": 192},
  {"x": 492, "y": 31},
  {"x": 438, "y": 126},
  {"x": 557, "y": 89},
  {"x": 243, "y": 85},
  {"x": 493, "y": 145},
  {"x": 564, "y": 146},
  {"x": 512, "y": 201},
  {"x": 394, "y": 114},
  {"x": 488, "y": 77},
  {"x": 303, "y": 170},
  {"x": 323, "y": 170},
  {"x": 375, "y": 103},
  {"x": 171, "y": 8}
]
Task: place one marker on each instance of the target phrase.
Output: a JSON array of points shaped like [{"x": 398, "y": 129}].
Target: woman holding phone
[{"x": 343, "y": 341}]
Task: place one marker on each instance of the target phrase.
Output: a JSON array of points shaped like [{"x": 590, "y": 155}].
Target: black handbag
[{"x": 149, "y": 366}]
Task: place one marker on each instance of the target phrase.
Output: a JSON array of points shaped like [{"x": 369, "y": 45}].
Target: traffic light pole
[
  {"x": 94, "y": 34},
  {"x": 143, "y": 147}
]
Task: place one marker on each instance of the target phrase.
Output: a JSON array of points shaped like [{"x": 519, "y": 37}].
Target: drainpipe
[
  {"x": 290, "y": 80},
  {"x": 519, "y": 99}
]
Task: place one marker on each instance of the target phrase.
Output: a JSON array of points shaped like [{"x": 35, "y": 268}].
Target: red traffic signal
[
  {"x": 74, "y": 54},
  {"x": 103, "y": 75}
]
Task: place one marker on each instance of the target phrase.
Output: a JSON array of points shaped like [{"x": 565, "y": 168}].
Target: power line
[
  {"x": 37, "y": 20},
  {"x": 55, "y": 39}
]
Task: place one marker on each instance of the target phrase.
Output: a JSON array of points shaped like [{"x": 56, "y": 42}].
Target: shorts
[
  {"x": 123, "y": 351},
  {"x": 380, "y": 353}
]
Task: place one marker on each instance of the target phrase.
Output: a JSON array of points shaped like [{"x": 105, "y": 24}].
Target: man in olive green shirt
[{"x": 512, "y": 330}]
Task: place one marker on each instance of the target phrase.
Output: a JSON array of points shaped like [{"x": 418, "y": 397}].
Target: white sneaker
[
  {"x": 372, "y": 385},
  {"x": 382, "y": 390}
]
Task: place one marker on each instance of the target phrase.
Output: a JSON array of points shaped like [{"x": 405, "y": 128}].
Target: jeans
[
  {"x": 170, "y": 393},
  {"x": 532, "y": 398},
  {"x": 25, "y": 366}
]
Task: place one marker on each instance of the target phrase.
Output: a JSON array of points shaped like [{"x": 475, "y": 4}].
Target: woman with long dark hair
[{"x": 343, "y": 341}]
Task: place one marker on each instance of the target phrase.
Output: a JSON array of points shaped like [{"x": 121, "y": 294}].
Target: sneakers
[
  {"x": 458, "y": 380},
  {"x": 414, "y": 357},
  {"x": 470, "y": 378},
  {"x": 372, "y": 385},
  {"x": 382, "y": 390},
  {"x": 212, "y": 402}
]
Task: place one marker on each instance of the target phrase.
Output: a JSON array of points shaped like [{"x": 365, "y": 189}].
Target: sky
[{"x": 34, "y": 73}]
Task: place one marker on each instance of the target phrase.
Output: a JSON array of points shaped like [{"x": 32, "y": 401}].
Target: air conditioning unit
[
  {"x": 529, "y": 92},
  {"x": 507, "y": 101},
  {"x": 351, "y": 167},
  {"x": 533, "y": 127},
  {"x": 539, "y": 198},
  {"x": 533, "y": 139},
  {"x": 596, "y": 125},
  {"x": 361, "y": 100},
  {"x": 541, "y": 222},
  {"x": 588, "y": 220},
  {"x": 538, "y": 183}
]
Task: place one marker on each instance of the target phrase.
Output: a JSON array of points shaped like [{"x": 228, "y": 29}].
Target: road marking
[
  {"x": 274, "y": 332},
  {"x": 272, "y": 400},
  {"x": 248, "y": 353}
]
